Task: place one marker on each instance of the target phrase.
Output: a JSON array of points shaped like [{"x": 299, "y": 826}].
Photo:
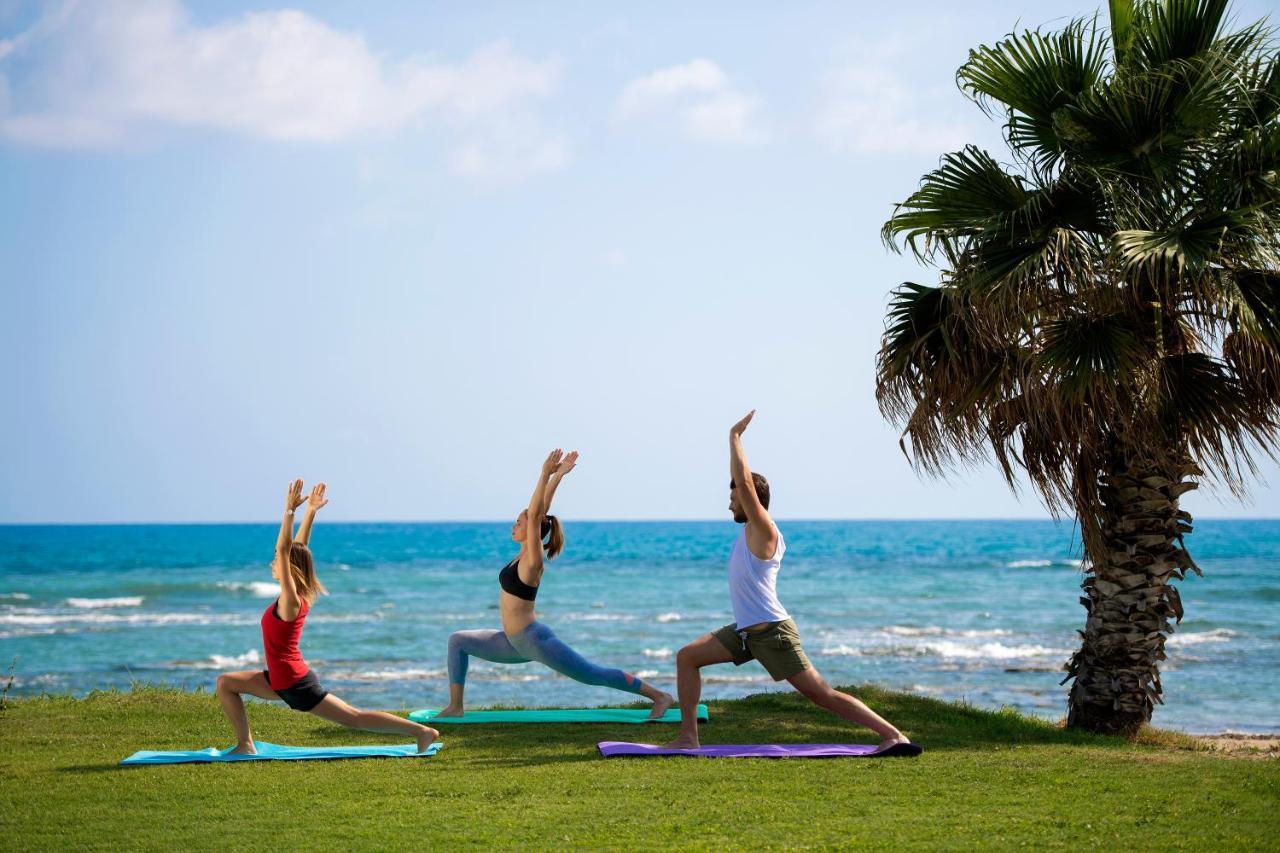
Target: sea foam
[
  {"x": 259, "y": 589},
  {"x": 250, "y": 658},
  {"x": 1195, "y": 638},
  {"x": 373, "y": 675},
  {"x": 121, "y": 601},
  {"x": 36, "y": 617},
  {"x": 949, "y": 650}
]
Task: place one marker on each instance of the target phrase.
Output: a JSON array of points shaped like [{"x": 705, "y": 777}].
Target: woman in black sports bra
[{"x": 523, "y": 638}]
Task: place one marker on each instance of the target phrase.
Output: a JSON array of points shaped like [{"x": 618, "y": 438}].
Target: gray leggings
[{"x": 535, "y": 642}]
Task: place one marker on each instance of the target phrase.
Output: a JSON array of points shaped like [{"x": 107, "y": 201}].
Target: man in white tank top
[{"x": 762, "y": 629}]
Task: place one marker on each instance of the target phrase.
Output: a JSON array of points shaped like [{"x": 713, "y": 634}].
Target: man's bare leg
[
  {"x": 814, "y": 688},
  {"x": 704, "y": 651}
]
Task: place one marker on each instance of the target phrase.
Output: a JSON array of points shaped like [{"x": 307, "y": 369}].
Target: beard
[{"x": 740, "y": 517}]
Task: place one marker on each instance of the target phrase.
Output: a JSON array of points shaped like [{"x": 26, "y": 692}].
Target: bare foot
[
  {"x": 244, "y": 749},
  {"x": 890, "y": 742},
  {"x": 426, "y": 738},
  {"x": 451, "y": 711},
  {"x": 660, "y": 706},
  {"x": 683, "y": 742}
]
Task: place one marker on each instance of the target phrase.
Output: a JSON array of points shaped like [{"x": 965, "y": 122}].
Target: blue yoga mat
[{"x": 272, "y": 752}]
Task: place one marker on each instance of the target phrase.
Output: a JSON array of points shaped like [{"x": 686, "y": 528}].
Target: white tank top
[{"x": 752, "y": 584}]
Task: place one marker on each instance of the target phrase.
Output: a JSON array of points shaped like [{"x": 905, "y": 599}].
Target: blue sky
[{"x": 407, "y": 248}]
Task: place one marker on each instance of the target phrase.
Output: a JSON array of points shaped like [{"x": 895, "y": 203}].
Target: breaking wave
[
  {"x": 259, "y": 589},
  {"x": 950, "y": 650},
  {"x": 249, "y": 658},
  {"x": 1194, "y": 638},
  {"x": 121, "y": 601}
]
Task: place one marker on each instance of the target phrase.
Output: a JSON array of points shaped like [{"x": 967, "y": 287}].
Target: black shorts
[{"x": 304, "y": 694}]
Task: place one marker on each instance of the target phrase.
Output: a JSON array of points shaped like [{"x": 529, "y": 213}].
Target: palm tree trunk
[{"x": 1129, "y": 597}]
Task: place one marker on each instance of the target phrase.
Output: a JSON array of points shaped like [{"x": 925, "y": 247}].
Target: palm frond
[
  {"x": 937, "y": 374},
  {"x": 1256, "y": 364},
  {"x": 966, "y": 194},
  {"x": 1033, "y": 74},
  {"x": 1122, "y": 32},
  {"x": 1085, "y": 353},
  {"x": 1200, "y": 398},
  {"x": 1248, "y": 173},
  {"x": 1183, "y": 251},
  {"x": 1176, "y": 29},
  {"x": 1141, "y": 124},
  {"x": 1265, "y": 105},
  {"x": 1253, "y": 305}
]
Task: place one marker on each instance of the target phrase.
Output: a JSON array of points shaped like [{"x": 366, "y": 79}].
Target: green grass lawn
[{"x": 986, "y": 780}]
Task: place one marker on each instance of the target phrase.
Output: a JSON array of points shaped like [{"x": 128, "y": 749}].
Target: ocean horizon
[{"x": 980, "y": 610}]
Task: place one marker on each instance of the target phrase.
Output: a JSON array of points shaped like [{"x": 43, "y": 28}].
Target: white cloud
[
  {"x": 865, "y": 107},
  {"x": 108, "y": 73},
  {"x": 699, "y": 97}
]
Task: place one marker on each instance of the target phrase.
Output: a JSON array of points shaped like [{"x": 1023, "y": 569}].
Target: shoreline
[
  {"x": 1255, "y": 746},
  {"x": 1224, "y": 741}
]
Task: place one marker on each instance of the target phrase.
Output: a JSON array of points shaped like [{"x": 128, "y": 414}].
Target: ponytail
[
  {"x": 303, "y": 568},
  {"x": 552, "y": 536}
]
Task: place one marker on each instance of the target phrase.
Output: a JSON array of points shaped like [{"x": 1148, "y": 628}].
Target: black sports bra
[{"x": 509, "y": 579}]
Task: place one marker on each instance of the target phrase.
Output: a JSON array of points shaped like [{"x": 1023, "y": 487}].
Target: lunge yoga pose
[
  {"x": 523, "y": 638},
  {"x": 763, "y": 629},
  {"x": 287, "y": 676}
]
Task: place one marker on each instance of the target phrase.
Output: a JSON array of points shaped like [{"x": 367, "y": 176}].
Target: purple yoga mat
[{"x": 612, "y": 748}]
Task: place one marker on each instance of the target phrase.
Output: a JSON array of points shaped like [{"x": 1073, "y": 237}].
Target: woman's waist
[
  {"x": 509, "y": 601},
  {"x": 286, "y": 648},
  {"x": 289, "y": 652},
  {"x": 516, "y": 612}
]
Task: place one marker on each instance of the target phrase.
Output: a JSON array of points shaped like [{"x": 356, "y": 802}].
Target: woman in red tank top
[{"x": 287, "y": 677}]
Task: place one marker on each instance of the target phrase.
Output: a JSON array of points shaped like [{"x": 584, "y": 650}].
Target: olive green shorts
[{"x": 776, "y": 645}]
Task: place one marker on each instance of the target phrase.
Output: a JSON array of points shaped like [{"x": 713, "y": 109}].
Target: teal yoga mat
[
  {"x": 556, "y": 715},
  {"x": 272, "y": 752}
]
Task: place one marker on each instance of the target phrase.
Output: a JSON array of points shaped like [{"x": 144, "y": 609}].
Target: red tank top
[{"x": 280, "y": 641}]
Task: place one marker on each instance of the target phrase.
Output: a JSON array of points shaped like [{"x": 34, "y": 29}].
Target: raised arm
[
  {"x": 531, "y": 558},
  {"x": 566, "y": 465},
  {"x": 314, "y": 503},
  {"x": 289, "y": 604},
  {"x": 762, "y": 536}
]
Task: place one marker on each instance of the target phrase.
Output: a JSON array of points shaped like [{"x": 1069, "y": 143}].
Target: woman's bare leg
[
  {"x": 334, "y": 710},
  {"x": 660, "y": 698},
  {"x": 456, "y": 707},
  {"x": 230, "y": 687}
]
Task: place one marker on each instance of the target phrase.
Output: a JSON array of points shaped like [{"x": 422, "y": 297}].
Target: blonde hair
[{"x": 303, "y": 567}]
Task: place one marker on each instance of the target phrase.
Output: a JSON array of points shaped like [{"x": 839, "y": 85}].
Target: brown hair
[
  {"x": 303, "y": 567},
  {"x": 554, "y": 545},
  {"x": 762, "y": 488}
]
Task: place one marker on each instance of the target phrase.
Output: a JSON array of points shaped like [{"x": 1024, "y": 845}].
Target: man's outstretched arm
[{"x": 762, "y": 536}]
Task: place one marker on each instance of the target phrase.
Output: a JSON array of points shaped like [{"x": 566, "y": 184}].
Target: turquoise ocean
[{"x": 984, "y": 611}]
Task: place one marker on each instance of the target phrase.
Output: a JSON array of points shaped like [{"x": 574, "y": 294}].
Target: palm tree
[{"x": 1107, "y": 321}]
